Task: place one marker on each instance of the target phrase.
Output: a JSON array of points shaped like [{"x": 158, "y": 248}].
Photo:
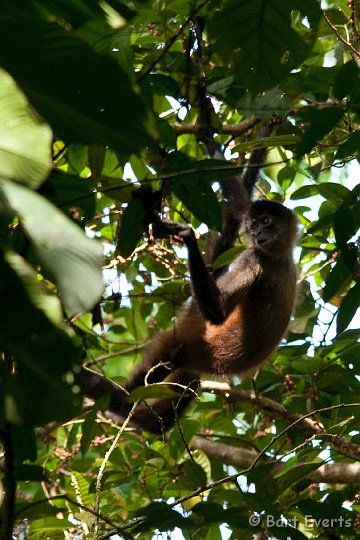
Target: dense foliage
[{"x": 100, "y": 108}]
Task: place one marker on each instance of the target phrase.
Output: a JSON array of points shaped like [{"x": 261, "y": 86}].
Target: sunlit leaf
[
  {"x": 62, "y": 246},
  {"x": 84, "y": 96},
  {"x": 348, "y": 308},
  {"x": 25, "y": 141},
  {"x": 42, "y": 388}
]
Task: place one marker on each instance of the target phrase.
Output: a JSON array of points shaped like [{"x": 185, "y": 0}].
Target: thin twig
[
  {"x": 102, "y": 469},
  {"x": 347, "y": 44},
  {"x": 233, "y": 477}
]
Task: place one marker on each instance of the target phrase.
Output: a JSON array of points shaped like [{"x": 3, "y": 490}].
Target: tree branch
[
  {"x": 355, "y": 54},
  {"x": 273, "y": 407},
  {"x": 331, "y": 473},
  {"x": 227, "y": 129}
]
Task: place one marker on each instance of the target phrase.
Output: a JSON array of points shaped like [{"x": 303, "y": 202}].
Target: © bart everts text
[{"x": 309, "y": 521}]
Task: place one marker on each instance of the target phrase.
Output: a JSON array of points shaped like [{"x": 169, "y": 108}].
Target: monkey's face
[
  {"x": 270, "y": 227},
  {"x": 262, "y": 231}
]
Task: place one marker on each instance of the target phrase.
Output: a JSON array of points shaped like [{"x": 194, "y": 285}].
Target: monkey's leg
[
  {"x": 158, "y": 361},
  {"x": 155, "y": 367},
  {"x": 160, "y": 415}
]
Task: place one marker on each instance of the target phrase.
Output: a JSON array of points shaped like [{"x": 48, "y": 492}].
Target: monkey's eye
[{"x": 265, "y": 220}]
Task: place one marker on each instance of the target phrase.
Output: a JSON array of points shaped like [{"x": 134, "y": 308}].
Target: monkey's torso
[{"x": 259, "y": 294}]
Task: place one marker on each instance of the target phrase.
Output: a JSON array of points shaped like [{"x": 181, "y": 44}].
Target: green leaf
[
  {"x": 350, "y": 148},
  {"x": 304, "y": 192},
  {"x": 227, "y": 257},
  {"x": 335, "y": 192},
  {"x": 192, "y": 186},
  {"x": 68, "y": 191},
  {"x": 340, "y": 274},
  {"x": 154, "y": 391},
  {"x": 344, "y": 226},
  {"x": 24, "y": 443},
  {"x": 329, "y": 190},
  {"x": 348, "y": 308},
  {"x": 160, "y": 516},
  {"x": 198, "y": 197},
  {"x": 286, "y": 177},
  {"x": 296, "y": 473},
  {"x": 263, "y": 56},
  {"x": 44, "y": 386},
  {"x": 132, "y": 228},
  {"x": 264, "y": 105},
  {"x": 345, "y": 80},
  {"x": 30, "y": 473},
  {"x": 76, "y": 13},
  {"x": 193, "y": 475},
  {"x": 321, "y": 121},
  {"x": 72, "y": 258},
  {"x": 177, "y": 438},
  {"x": 88, "y": 430},
  {"x": 84, "y": 96},
  {"x": 138, "y": 215},
  {"x": 25, "y": 141},
  {"x": 48, "y": 526},
  {"x": 82, "y": 488}
]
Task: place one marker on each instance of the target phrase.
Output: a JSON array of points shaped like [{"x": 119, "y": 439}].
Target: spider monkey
[{"x": 236, "y": 316}]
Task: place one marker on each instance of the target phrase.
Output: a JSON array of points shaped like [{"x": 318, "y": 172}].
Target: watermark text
[{"x": 310, "y": 522}]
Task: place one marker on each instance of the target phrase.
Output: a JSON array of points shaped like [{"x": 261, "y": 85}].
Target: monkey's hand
[{"x": 166, "y": 228}]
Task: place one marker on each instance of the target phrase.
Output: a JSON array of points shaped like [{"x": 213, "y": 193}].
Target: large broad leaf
[
  {"x": 346, "y": 80},
  {"x": 260, "y": 38},
  {"x": 159, "y": 515},
  {"x": 72, "y": 258},
  {"x": 137, "y": 217},
  {"x": 132, "y": 228},
  {"x": 350, "y": 148},
  {"x": 69, "y": 191},
  {"x": 341, "y": 274},
  {"x": 321, "y": 122},
  {"x": 197, "y": 195},
  {"x": 42, "y": 386},
  {"x": 25, "y": 141},
  {"x": 84, "y": 96},
  {"x": 194, "y": 188},
  {"x": 348, "y": 308}
]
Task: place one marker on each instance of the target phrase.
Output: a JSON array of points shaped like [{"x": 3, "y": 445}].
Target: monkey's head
[{"x": 270, "y": 227}]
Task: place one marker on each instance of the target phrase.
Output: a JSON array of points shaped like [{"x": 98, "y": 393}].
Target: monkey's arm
[
  {"x": 205, "y": 290},
  {"x": 237, "y": 192}
]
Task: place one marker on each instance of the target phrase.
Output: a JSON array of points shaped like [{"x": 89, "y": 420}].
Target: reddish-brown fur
[
  {"x": 258, "y": 293},
  {"x": 250, "y": 310}
]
